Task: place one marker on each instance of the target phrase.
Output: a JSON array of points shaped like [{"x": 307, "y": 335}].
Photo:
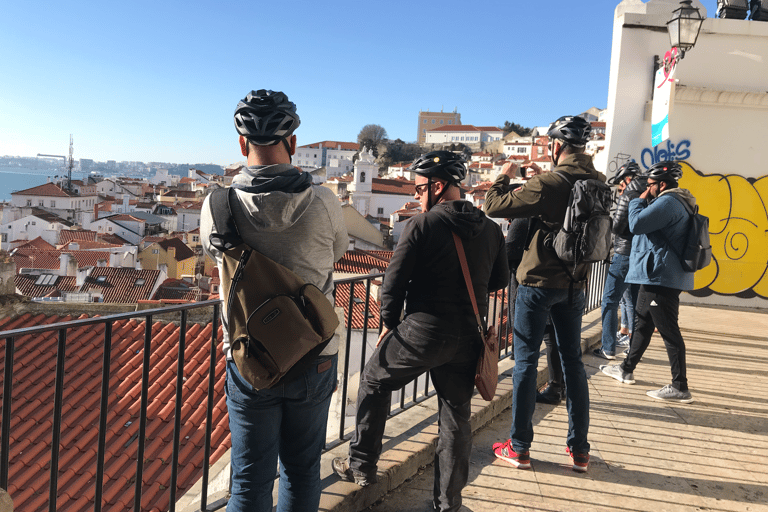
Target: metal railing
[{"x": 359, "y": 293}]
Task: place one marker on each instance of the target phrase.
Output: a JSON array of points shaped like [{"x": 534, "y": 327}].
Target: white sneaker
[
  {"x": 617, "y": 373},
  {"x": 671, "y": 394}
]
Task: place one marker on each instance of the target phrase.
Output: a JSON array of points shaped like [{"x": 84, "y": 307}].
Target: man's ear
[
  {"x": 292, "y": 144},
  {"x": 243, "y": 146}
]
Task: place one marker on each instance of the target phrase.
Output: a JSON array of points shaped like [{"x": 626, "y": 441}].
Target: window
[
  {"x": 195, "y": 238},
  {"x": 41, "y": 203},
  {"x": 380, "y": 211},
  {"x": 53, "y": 203},
  {"x": 155, "y": 251},
  {"x": 441, "y": 121},
  {"x": 101, "y": 279},
  {"x": 362, "y": 177},
  {"x": 425, "y": 121},
  {"x": 29, "y": 202},
  {"x": 140, "y": 282},
  {"x": 450, "y": 122},
  {"x": 34, "y": 223},
  {"x": 433, "y": 121}
]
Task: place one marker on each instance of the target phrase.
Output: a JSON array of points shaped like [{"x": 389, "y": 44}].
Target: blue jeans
[
  {"x": 288, "y": 421},
  {"x": 612, "y": 293},
  {"x": 532, "y": 307}
]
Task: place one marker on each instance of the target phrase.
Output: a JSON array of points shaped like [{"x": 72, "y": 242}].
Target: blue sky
[{"x": 159, "y": 81}]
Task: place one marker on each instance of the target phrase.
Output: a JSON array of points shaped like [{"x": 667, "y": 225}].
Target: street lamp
[
  {"x": 732, "y": 9},
  {"x": 684, "y": 27}
]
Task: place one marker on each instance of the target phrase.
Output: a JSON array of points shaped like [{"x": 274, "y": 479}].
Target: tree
[
  {"x": 399, "y": 151},
  {"x": 371, "y": 136},
  {"x": 522, "y": 131}
]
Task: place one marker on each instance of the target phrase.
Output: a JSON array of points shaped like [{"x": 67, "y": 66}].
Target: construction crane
[{"x": 68, "y": 164}]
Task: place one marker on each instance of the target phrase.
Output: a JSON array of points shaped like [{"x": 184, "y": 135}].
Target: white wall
[{"x": 718, "y": 126}]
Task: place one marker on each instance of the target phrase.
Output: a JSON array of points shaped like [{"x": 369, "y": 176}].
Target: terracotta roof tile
[
  {"x": 47, "y": 189},
  {"x": 68, "y": 235},
  {"x": 119, "y": 284},
  {"x": 183, "y": 251},
  {"x": 363, "y": 262},
  {"x": 396, "y": 186},
  {"x": 358, "y": 309},
  {"x": 36, "y": 244},
  {"x": 33, "y": 404},
  {"x": 332, "y": 144}
]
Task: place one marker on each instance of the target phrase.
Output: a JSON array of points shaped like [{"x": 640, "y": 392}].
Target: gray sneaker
[
  {"x": 671, "y": 394},
  {"x": 617, "y": 373},
  {"x": 341, "y": 467}
]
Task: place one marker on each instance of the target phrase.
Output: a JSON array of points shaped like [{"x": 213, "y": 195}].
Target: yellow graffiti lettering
[{"x": 738, "y": 230}]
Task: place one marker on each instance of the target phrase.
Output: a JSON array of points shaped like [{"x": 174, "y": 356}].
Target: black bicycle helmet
[
  {"x": 444, "y": 165},
  {"x": 266, "y": 117},
  {"x": 628, "y": 169},
  {"x": 665, "y": 171},
  {"x": 572, "y": 130}
]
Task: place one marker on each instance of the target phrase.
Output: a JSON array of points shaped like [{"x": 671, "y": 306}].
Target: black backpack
[
  {"x": 697, "y": 251},
  {"x": 585, "y": 236}
]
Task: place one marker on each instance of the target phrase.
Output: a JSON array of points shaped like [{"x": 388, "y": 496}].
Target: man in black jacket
[
  {"x": 631, "y": 184},
  {"x": 439, "y": 332}
]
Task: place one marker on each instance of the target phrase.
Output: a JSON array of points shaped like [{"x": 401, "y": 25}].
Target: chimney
[
  {"x": 80, "y": 276},
  {"x": 64, "y": 259}
]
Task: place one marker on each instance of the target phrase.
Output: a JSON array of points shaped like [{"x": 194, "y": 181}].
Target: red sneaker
[
  {"x": 505, "y": 452},
  {"x": 580, "y": 460}
]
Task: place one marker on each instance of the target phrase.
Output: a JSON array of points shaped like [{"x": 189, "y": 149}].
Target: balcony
[{"x": 127, "y": 412}]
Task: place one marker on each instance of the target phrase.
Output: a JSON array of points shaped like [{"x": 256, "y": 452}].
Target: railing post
[
  {"x": 346, "y": 362},
  {"x": 143, "y": 413},
  {"x": 209, "y": 413},
  {"x": 5, "y": 436},
  {"x": 177, "y": 415},
  {"x": 57, "y": 403},
  {"x": 106, "y": 362}
]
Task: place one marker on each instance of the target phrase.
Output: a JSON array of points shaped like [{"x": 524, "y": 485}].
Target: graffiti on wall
[
  {"x": 668, "y": 151},
  {"x": 738, "y": 229}
]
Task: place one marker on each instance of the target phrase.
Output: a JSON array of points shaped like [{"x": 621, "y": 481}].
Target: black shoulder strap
[
  {"x": 567, "y": 177},
  {"x": 226, "y": 235},
  {"x": 688, "y": 207}
]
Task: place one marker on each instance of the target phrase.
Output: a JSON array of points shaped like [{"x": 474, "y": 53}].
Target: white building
[
  {"x": 718, "y": 120},
  {"x": 39, "y": 223},
  {"x": 335, "y": 156},
  {"x": 377, "y": 197},
  {"x": 67, "y": 205},
  {"x": 127, "y": 227}
]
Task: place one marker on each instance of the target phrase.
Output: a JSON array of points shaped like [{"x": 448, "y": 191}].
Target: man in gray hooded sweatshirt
[{"x": 300, "y": 226}]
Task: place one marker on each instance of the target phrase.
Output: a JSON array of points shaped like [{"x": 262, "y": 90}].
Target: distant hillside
[{"x": 183, "y": 169}]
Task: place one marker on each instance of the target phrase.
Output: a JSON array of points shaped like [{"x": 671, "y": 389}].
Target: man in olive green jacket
[{"x": 545, "y": 288}]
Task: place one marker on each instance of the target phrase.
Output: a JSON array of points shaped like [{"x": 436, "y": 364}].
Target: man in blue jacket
[{"x": 655, "y": 266}]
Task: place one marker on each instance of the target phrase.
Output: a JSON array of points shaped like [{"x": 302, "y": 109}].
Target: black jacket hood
[{"x": 462, "y": 218}]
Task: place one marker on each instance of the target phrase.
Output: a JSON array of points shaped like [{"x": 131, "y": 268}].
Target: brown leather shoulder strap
[{"x": 468, "y": 281}]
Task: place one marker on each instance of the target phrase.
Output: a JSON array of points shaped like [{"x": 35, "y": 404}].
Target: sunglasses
[{"x": 420, "y": 189}]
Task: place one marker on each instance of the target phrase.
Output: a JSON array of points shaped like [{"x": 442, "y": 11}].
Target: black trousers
[
  {"x": 451, "y": 360},
  {"x": 658, "y": 307}
]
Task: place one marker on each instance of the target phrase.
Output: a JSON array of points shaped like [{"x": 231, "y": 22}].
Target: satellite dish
[{"x": 198, "y": 276}]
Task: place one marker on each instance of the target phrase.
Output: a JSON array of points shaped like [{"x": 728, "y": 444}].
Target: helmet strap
[
  {"x": 433, "y": 200},
  {"x": 287, "y": 149}
]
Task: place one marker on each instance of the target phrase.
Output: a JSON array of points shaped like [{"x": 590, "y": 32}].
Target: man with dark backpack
[
  {"x": 281, "y": 215},
  {"x": 660, "y": 222},
  {"x": 547, "y": 285}
]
